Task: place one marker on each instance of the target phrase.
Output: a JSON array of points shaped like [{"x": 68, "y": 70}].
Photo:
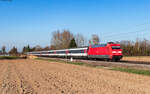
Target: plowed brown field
[{"x": 42, "y": 77}]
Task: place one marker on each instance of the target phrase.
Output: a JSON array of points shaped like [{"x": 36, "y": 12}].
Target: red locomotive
[{"x": 109, "y": 51}]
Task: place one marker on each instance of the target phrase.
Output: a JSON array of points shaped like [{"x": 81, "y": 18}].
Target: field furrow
[{"x": 43, "y": 77}]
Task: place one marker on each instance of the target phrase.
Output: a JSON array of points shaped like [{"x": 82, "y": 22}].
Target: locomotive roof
[
  {"x": 98, "y": 45},
  {"x": 70, "y": 49}
]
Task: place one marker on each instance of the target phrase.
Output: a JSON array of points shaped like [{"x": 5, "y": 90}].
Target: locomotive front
[{"x": 115, "y": 52}]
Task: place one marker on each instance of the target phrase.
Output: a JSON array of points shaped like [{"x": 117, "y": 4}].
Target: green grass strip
[
  {"x": 135, "y": 71},
  {"x": 129, "y": 70},
  {"x": 9, "y": 57},
  {"x": 67, "y": 62}
]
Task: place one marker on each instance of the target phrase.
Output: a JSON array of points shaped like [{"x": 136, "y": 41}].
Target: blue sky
[{"x": 24, "y": 22}]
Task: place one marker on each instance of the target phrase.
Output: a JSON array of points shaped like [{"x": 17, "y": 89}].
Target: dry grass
[
  {"x": 32, "y": 57},
  {"x": 137, "y": 58}
]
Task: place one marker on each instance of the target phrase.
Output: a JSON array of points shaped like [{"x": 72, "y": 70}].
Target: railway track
[{"x": 124, "y": 64}]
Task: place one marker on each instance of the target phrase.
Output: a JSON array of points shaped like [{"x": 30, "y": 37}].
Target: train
[{"x": 109, "y": 51}]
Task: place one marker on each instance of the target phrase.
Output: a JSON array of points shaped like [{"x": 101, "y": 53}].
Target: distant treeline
[
  {"x": 138, "y": 48},
  {"x": 59, "y": 40},
  {"x": 65, "y": 39}
]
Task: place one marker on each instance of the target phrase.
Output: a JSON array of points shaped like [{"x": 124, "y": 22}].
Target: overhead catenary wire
[
  {"x": 120, "y": 34},
  {"x": 125, "y": 34},
  {"x": 110, "y": 34}
]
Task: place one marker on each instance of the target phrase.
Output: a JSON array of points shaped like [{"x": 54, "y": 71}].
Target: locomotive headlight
[
  {"x": 119, "y": 51},
  {"x": 114, "y": 52}
]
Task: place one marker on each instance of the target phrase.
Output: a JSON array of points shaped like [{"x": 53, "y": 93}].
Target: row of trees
[
  {"x": 36, "y": 48},
  {"x": 66, "y": 39},
  {"x": 59, "y": 40},
  {"x": 138, "y": 48},
  {"x": 13, "y": 51}
]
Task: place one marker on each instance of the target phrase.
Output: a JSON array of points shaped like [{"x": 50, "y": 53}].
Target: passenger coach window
[
  {"x": 76, "y": 51},
  {"x": 60, "y": 52},
  {"x": 115, "y": 47}
]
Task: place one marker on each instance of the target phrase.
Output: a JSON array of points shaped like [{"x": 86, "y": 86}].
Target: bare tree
[
  {"x": 52, "y": 47},
  {"x": 38, "y": 48},
  {"x": 3, "y": 49},
  {"x": 67, "y": 36},
  {"x": 61, "y": 40},
  {"x": 95, "y": 40},
  {"x": 13, "y": 51},
  {"x": 46, "y": 48},
  {"x": 80, "y": 40},
  {"x": 56, "y": 39},
  {"x": 137, "y": 48}
]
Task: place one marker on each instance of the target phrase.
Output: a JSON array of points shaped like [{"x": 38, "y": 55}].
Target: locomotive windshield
[{"x": 115, "y": 47}]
